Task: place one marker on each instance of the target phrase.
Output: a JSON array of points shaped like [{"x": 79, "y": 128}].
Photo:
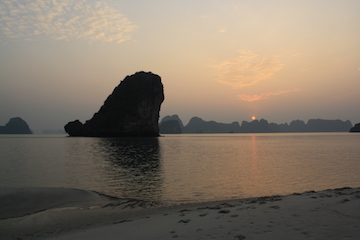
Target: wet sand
[{"x": 78, "y": 214}]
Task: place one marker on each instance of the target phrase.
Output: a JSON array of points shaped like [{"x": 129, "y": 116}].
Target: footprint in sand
[
  {"x": 173, "y": 234},
  {"x": 275, "y": 207},
  {"x": 224, "y": 211},
  {"x": 184, "y": 221},
  {"x": 240, "y": 237}
]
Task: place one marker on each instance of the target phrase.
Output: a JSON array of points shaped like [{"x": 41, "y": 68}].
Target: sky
[{"x": 220, "y": 60}]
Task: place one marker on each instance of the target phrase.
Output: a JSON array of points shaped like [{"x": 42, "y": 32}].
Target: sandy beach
[{"x": 67, "y": 214}]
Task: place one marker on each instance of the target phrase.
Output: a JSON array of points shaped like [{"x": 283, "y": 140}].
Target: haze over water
[{"x": 183, "y": 168}]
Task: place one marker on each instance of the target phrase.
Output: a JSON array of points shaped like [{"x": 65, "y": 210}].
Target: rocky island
[
  {"x": 356, "y": 128},
  {"x": 131, "y": 110},
  {"x": 15, "y": 125},
  {"x": 173, "y": 124}
]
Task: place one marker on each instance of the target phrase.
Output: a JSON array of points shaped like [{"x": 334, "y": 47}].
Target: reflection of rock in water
[{"x": 134, "y": 167}]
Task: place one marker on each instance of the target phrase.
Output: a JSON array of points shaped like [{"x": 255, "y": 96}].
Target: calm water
[{"x": 188, "y": 167}]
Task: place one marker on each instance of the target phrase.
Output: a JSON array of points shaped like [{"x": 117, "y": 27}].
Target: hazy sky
[{"x": 221, "y": 60}]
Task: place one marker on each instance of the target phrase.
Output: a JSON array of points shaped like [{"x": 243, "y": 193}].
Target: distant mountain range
[{"x": 173, "y": 124}]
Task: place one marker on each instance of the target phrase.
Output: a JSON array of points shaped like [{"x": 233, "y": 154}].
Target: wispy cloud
[
  {"x": 247, "y": 69},
  {"x": 257, "y": 97},
  {"x": 64, "y": 20}
]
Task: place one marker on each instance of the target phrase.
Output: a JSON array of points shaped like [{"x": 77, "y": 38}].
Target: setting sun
[{"x": 253, "y": 118}]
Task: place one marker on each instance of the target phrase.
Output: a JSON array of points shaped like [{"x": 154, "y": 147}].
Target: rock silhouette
[
  {"x": 171, "y": 125},
  {"x": 198, "y": 125},
  {"x": 173, "y": 117},
  {"x": 15, "y": 126},
  {"x": 356, "y": 128},
  {"x": 322, "y": 125},
  {"x": 132, "y": 109}
]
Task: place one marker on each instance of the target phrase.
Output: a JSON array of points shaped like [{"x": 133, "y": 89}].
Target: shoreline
[{"x": 328, "y": 214}]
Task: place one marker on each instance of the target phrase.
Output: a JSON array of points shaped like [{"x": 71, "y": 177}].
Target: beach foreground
[{"x": 329, "y": 214}]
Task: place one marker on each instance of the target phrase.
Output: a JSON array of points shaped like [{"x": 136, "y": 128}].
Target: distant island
[
  {"x": 15, "y": 125},
  {"x": 356, "y": 128},
  {"x": 132, "y": 109},
  {"x": 53, "y": 131},
  {"x": 173, "y": 124}
]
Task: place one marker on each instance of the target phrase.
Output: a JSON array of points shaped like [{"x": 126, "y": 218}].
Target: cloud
[
  {"x": 64, "y": 20},
  {"x": 252, "y": 98},
  {"x": 247, "y": 69}
]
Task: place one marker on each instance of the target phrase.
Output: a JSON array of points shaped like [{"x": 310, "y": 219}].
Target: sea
[{"x": 184, "y": 168}]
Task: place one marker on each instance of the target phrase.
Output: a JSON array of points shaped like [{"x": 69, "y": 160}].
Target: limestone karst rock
[
  {"x": 170, "y": 127},
  {"x": 323, "y": 125},
  {"x": 172, "y": 117},
  {"x": 131, "y": 110},
  {"x": 171, "y": 124},
  {"x": 15, "y": 126},
  {"x": 198, "y": 125},
  {"x": 356, "y": 128}
]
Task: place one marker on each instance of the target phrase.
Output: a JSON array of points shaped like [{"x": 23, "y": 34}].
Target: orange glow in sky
[
  {"x": 253, "y": 118},
  {"x": 218, "y": 61}
]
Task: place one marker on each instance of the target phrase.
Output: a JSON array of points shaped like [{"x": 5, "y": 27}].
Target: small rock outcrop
[
  {"x": 171, "y": 125},
  {"x": 131, "y": 110},
  {"x": 356, "y": 128},
  {"x": 15, "y": 126},
  {"x": 323, "y": 125},
  {"x": 198, "y": 125},
  {"x": 255, "y": 126}
]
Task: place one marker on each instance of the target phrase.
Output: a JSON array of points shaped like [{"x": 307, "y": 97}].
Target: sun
[{"x": 253, "y": 118}]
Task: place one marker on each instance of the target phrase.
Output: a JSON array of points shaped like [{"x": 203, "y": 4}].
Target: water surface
[{"x": 185, "y": 167}]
